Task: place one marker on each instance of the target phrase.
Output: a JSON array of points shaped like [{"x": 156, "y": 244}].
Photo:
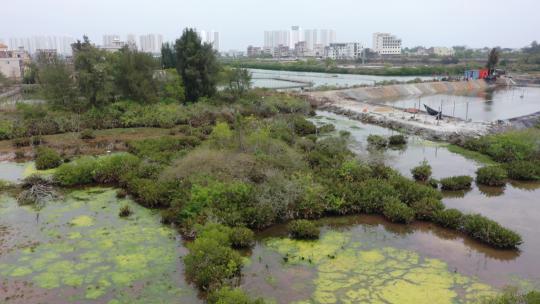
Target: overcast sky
[{"x": 476, "y": 23}]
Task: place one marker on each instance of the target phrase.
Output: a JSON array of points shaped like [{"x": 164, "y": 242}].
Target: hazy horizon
[{"x": 242, "y": 23}]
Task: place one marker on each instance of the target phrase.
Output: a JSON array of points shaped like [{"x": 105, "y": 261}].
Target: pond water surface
[
  {"x": 269, "y": 79},
  {"x": 78, "y": 250},
  {"x": 365, "y": 259},
  {"x": 488, "y": 105}
]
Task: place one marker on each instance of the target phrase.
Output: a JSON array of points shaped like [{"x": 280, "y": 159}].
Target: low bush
[
  {"x": 371, "y": 195},
  {"x": 427, "y": 208},
  {"x": 422, "y": 172},
  {"x": 490, "y": 232},
  {"x": 162, "y": 149},
  {"x": 398, "y": 212},
  {"x": 121, "y": 193},
  {"x": 456, "y": 183},
  {"x": 110, "y": 168},
  {"x": 326, "y": 128},
  {"x": 513, "y": 295},
  {"x": 491, "y": 176},
  {"x": 47, "y": 158},
  {"x": 449, "y": 218},
  {"x": 228, "y": 295},
  {"x": 433, "y": 183},
  {"x": 377, "y": 141},
  {"x": 523, "y": 170},
  {"x": 75, "y": 173},
  {"x": 125, "y": 211},
  {"x": 397, "y": 140},
  {"x": 242, "y": 237},
  {"x": 150, "y": 193},
  {"x": 21, "y": 142},
  {"x": 210, "y": 263},
  {"x": 87, "y": 134},
  {"x": 303, "y": 229},
  {"x": 37, "y": 140},
  {"x": 303, "y": 126}
]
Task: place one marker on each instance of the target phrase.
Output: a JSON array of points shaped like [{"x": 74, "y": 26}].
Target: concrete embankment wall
[{"x": 401, "y": 90}]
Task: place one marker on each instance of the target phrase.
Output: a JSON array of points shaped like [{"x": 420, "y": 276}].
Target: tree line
[{"x": 186, "y": 72}]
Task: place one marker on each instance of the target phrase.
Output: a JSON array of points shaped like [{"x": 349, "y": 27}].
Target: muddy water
[
  {"x": 12, "y": 172},
  {"x": 78, "y": 250},
  {"x": 480, "y": 106},
  {"x": 367, "y": 259}
]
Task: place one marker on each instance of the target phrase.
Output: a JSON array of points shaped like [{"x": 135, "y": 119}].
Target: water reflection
[{"x": 514, "y": 206}]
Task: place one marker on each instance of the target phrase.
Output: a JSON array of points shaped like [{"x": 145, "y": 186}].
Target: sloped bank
[{"x": 354, "y": 103}]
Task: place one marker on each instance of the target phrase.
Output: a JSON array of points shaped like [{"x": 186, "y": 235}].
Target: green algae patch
[
  {"x": 30, "y": 169},
  {"x": 82, "y": 221},
  {"x": 83, "y": 248},
  {"x": 348, "y": 271}
]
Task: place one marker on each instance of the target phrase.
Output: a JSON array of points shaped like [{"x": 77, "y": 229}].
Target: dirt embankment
[{"x": 355, "y": 103}]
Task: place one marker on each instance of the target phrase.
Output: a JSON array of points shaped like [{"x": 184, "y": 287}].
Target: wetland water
[
  {"x": 269, "y": 79},
  {"x": 488, "y": 105},
  {"x": 77, "y": 250},
  {"x": 367, "y": 259}
]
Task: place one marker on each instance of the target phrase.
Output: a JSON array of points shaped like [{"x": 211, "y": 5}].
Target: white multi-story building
[
  {"x": 297, "y": 35},
  {"x": 344, "y": 51},
  {"x": 62, "y": 44},
  {"x": 211, "y": 37},
  {"x": 310, "y": 37},
  {"x": 327, "y": 37},
  {"x": 273, "y": 39},
  {"x": 151, "y": 43},
  {"x": 386, "y": 44},
  {"x": 442, "y": 51}
]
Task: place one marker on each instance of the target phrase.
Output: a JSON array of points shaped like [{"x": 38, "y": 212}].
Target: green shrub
[
  {"x": 490, "y": 232},
  {"x": 456, "y": 183},
  {"x": 162, "y": 149},
  {"x": 427, "y": 208},
  {"x": 303, "y": 126},
  {"x": 397, "y": 140},
  {"x": 491, "y": 176},
  {"x": 523, "y": 170},
  {"x": 371, "y": 195},
  {"x": 303, "y": 229},
  {"x": 125, "y": 211},
  {"x": 6, "y": 129},
  {"x": 87, "y": 134},
  {"x": 242, "y": 237},
  {"x": 110, "y": 168},
  {"x": 228, "y": 295},
  {"x": 47, "y": 158},
  {"x": 377, "y": 141},
  {"x": 410, "y": 191},
  {"x": 150, "y": 193},
  {"x": 21, "y": 142},
  {"x": 326, "y": 128},
  {"x": 449, "y": 218},
  {"x": 76, "y": 173},
  {"x": 398, "y": 212},
  {"x": 37, "y": 140},
  {"x": 121, "y": 193},
  {"x": 210, "y": 264},
  {"x": 422, "y": 172}
]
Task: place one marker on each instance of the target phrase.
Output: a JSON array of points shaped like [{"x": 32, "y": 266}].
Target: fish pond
[
  {"x": 78, "y": 250},
  {"x": 489, "y": 105}
]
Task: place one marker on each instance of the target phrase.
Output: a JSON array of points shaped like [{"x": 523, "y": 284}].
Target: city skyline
[{"x": 448, "y": 23}]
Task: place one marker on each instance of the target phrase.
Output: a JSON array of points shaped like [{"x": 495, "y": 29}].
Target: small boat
[{"x": 433, "y": 112}]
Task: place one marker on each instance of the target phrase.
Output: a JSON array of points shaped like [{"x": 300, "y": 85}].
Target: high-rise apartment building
[
  {"x": 151, "y": 43},
  {"x": 386, "y": 44},
  {"x": 109, "y": 40},
  {"x": 62, "y": 44},
  {"x": 211, "y": 37},
  {"x": 312, "y": 37}
]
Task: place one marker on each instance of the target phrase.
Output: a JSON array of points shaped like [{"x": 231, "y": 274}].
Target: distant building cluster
[
  {"x": 294, "y": 42},
  {"x": 210, "y": 37},
  {"x": 61, "y": 44},
  {"x": 13, "y": 62},
  {"x": 149, "y": 43}
]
